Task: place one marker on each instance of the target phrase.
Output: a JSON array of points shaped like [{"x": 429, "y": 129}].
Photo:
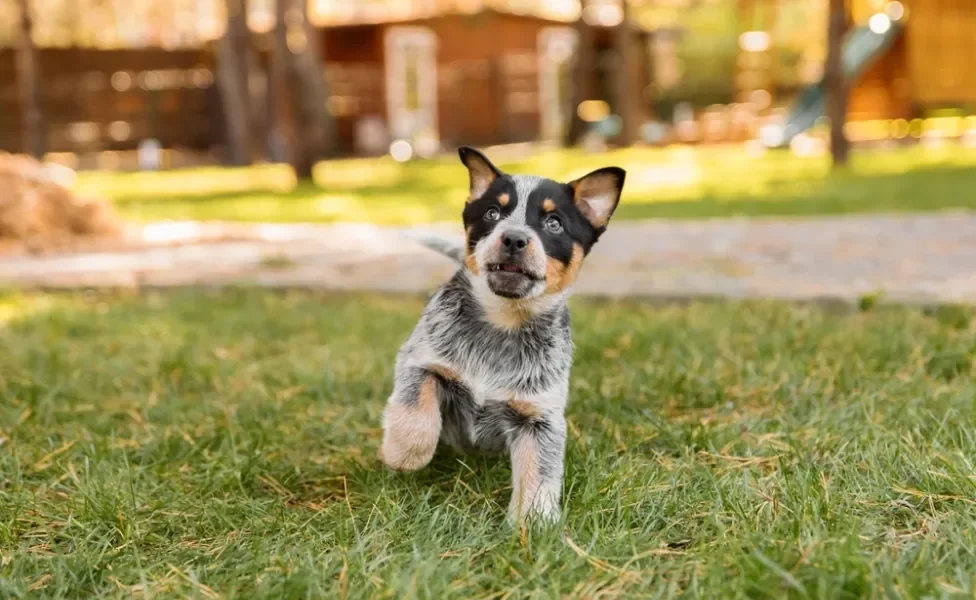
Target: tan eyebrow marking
[
  {"x": 503, "y": 199},
  {"x": 548, "y": 205}
]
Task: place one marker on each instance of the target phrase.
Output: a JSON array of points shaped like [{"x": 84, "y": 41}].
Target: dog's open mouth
[
  {"x": 510, "y": 280},
  {"x": 511, "y": 268}
]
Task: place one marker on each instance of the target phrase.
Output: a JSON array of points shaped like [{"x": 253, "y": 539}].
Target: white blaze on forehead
[{"x": 524, "y": 185}]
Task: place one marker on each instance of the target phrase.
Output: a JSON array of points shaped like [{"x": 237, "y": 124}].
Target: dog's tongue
[{"x": 511, "y": 268}]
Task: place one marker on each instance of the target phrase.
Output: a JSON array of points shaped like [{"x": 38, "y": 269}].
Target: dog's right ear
[{"x": 480, "y": 171}]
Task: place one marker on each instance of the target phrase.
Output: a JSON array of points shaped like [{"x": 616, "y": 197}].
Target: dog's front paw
[
  {"x": 542, "y": 509},
  {"x": 409, "y": 439}
]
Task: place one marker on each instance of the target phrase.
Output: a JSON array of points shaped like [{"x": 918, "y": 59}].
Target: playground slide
[{"x": 861, "y": 48}]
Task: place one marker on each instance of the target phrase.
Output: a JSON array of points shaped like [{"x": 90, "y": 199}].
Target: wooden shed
[
  {"x": 481, "y": 78},
  {"x": 928, "y": 67}
]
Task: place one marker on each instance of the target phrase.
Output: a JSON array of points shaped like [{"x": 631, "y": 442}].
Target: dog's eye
[
  {"x": 553, "y": 225},
  {"x": 492, "y": 214}
]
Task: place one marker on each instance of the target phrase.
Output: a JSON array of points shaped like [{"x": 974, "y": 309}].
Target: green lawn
[
  {"x": 223, "y": 444},
  {"x": 677, "y": 182}
]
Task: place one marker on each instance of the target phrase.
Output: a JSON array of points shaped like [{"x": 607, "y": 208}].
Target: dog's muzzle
[{"x": 510, "y": 272}]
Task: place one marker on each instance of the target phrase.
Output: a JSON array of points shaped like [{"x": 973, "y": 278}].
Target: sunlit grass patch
[
  {"x": 681, "y": 182},
  {"x": 212, "y": 444},
  {"x": 14, "y": 306}
]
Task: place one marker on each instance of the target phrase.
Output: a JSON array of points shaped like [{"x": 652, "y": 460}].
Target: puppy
[{"x": 487, "y": 367}]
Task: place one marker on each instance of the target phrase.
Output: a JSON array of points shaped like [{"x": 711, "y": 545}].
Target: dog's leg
[
  {"x": 412, "y": 421},
  {"x": 538, "y": 448}
]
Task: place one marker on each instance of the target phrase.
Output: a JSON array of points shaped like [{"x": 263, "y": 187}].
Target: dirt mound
[{"x": 39, "y": 213}]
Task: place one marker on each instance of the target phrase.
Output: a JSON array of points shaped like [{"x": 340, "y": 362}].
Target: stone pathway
[{"x": 914, "y": 258}]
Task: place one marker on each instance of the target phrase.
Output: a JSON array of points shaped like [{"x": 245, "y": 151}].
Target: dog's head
[{"x": 527, "y": 236}]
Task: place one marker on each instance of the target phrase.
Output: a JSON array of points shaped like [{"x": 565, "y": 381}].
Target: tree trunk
[
  {"x": 232, "y": 79},
  {"x": 280, "y": 136},
  {"x": 645, "y": 62},
  {"x": 275, "y": 144},
  {"x": 299, "y": 58},
  {"x": 253, "y": 76},
  {"x": 623, "y": 79},
  {"x": 836, "y": 85},
  {"x": 29, "y": 81},
  {"x": 583, "y": 68}
]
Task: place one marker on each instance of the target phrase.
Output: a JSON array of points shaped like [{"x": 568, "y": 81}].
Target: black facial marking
[
  {"x": 575, "y": 228},
  {"x": 475, "y": 211}
]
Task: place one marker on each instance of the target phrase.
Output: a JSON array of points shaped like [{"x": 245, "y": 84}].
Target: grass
[
  {"x": 222, "y": 444},
  {"x": 672, "y": 183}
]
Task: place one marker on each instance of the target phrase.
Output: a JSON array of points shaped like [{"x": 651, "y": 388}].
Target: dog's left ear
[
  {"x": 596, "y": 194},
  {"x": 480, "y": 170}
]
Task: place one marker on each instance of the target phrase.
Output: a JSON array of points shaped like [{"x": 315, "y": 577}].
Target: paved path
[{"x": 919, "y": 258}]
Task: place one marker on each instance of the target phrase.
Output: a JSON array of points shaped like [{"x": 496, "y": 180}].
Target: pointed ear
[
  {"x": 480, "y": 171},
  {"x": 596, "y": 195}
]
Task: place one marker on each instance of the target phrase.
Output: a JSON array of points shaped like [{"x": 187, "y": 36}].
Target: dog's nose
[{"x": 514, "y": 241}]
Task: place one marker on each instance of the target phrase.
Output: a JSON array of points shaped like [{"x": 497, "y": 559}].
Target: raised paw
[{"x": 410, "y": 437}]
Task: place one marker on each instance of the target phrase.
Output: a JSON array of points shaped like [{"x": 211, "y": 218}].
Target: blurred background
[
  {"x": 350, "y": 110},
  {"x": 89, "y": 82}
]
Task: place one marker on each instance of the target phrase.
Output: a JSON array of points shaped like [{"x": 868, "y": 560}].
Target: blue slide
[{"x": 861, "y": 48}]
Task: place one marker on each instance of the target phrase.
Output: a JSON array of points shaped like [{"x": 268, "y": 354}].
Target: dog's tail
[{"x": 450, "y": 246}]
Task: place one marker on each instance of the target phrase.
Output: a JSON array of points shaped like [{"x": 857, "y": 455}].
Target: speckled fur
[{"x": 498, "y": 365}]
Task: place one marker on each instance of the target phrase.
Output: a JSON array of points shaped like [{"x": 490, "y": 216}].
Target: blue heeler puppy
[{"x": 487, "y": 367}]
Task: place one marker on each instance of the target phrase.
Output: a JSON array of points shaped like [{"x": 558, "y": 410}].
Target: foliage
[
  {"x": 188, "y": 23},
  {"x": 678, "y": 182},
  {"x": 800, "y": 41},
  {"x": 116, "y": 23},
  {"x": 706, "y": 50},
  {"x": 204, "y": 444}
]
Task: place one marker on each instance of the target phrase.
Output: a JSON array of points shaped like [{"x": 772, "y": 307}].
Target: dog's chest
[
  {"x": 495, "y": 363},
  {"x": 492, "y": 364},
  {"x": 503, "y": 380}
]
